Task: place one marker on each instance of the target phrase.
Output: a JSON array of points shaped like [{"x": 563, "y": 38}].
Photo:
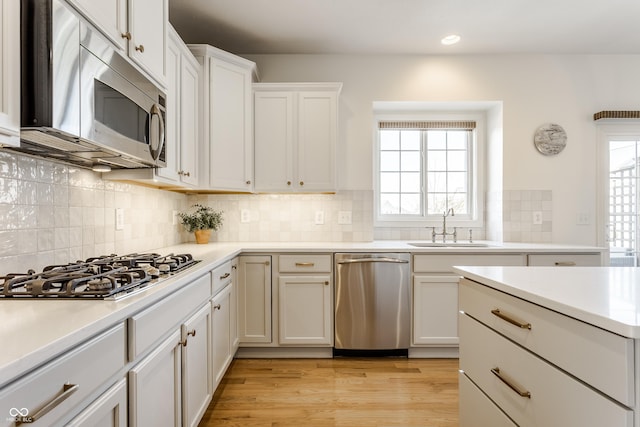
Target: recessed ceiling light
[{"x": 450, "y": 39}]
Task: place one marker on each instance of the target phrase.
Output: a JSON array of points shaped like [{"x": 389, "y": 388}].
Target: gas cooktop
[{"x": 108, "y": 277}]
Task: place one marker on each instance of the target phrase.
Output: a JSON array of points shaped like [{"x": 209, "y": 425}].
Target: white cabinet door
[
  {"x": 110, "y": 16},
  {"x": 189, "y": 140},
  {"x": 273, "y": 129},
  {"x": 9, "y": 72},
  {"x": 172, "y": 128},
  {"x": 197, "y": 384},
  {"x": 435, "y": 310},
  {"x": 317, "y": 136},
  {"x": 108, "y": 410},
  {"x": 221, "y": 330},
  {"x": 148, "y": 21},
  {"x": 230, "y": 126},
  {"x": 235, "y": 337},
  {"x": 305, "y": 310},
  {"x": 154, "y": 386},
  {"x": 254, "y": 299}
]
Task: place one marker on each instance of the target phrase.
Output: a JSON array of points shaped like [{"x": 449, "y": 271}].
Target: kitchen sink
[{"x": 449, "y": 245}]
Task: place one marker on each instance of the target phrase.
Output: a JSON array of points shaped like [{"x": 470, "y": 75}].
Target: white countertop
[
  {"x": 607, "y": 297},
  {"x": 34, "y": 331}
]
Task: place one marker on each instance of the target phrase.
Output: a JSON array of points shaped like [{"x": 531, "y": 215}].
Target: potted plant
[{"x": 201, "y": 222}]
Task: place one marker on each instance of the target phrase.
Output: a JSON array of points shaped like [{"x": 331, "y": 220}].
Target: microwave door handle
[{"x": 155, "y": 152}]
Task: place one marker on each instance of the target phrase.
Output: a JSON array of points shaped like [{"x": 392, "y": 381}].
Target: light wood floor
[{"x": 353, "y": 392}]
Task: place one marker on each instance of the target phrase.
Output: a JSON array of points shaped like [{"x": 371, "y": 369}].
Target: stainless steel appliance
[
  {"x": 372, "y": 301},
  {"x": 109, "y": 277},
  {"x": 82, "y": 102}
]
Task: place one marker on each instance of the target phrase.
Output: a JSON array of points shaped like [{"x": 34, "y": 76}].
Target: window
[{"x": 425, "y": 168}]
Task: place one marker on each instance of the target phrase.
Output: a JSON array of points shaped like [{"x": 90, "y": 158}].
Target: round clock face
[{"x": 550, "y": 139}]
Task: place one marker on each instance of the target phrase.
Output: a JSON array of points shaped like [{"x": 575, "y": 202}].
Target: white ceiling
[{"x": 410, "y": 26}]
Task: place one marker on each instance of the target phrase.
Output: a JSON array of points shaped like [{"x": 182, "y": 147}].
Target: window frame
[{"x": 476, "y": 170}]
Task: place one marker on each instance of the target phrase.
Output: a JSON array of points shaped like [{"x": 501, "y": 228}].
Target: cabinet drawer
[
  {"x": 502, "y": 369},
  {"x": 305, "y": 264},
  {"x": 476, "y": 409},
  {"x": 87, "y": 367},
  {"x": 564, "y": 260},
  {"x": 443, "y": 263},
  {"x": 598, "y": 357},
  {"x": 151, "y": 324},
  {"x": 220, "y": 277}
]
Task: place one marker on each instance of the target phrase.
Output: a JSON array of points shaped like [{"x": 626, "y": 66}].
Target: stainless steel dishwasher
[{"x": 372, "y": 305}]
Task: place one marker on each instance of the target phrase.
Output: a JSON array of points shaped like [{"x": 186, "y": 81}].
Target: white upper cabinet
[
  {"x": 138, "y": 27},
  {"x": 296, "y": 133},
  {"x": 9, "y": 73},
  {"x": 227, "y": 119}
]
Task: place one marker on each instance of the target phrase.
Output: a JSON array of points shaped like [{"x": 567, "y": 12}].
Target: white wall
[{"x": 534, "y": 89}]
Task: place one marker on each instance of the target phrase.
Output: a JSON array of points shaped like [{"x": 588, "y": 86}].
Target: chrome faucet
[{"x": 444, "y": 232}]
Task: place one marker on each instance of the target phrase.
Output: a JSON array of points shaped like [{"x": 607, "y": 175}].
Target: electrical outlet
[
  {"x": 583, "y": 218},
  {"x": 344, "y": 217},
  {"x": 119, "y": 219},
  {"x": 245, "y": 215},
  {"x": 537, "y": 217},
  {"x": 319, "y": 218}
]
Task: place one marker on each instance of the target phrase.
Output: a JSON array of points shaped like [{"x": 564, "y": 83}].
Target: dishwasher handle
[{"x": 363, "y": 260}]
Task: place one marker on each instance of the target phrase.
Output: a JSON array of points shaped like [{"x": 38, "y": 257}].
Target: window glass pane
[
  {"x": 436, "y": 182},
  {"x": 410, "y": 204},
  {"x": 389, "y": 204},
  {"x": 436, "y": 140},
  {"x": 389, "y": 182},
  {"x": 457, "y": 160},
  {"x": 457, "y": 139},
  {"x": 390, "y": 161},
  {"x": 410, "y": 140},
  {"x": 410, "y": 161},
  {"x": 437, "y": 160},
  {"x": 389, "y": 139},
  {"x": 459, "y": 203},
  {"x": 437, "y": 204},
  {"x": 410, "y": 182},
  {"x": 457, "y": 182}
]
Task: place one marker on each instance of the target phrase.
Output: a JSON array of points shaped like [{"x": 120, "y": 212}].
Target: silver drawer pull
[
  {"x": 565, "y": 263},
  {"x": 67, "y": 390},
  {"x": 225, "y": 275},
  {"x": 305, "y": 264},
  {"x": 496, "y": 312},
  {"x": 496, "y": 372}
]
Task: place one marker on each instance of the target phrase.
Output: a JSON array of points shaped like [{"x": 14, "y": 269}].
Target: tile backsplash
[{"x": 52, "y": 213}]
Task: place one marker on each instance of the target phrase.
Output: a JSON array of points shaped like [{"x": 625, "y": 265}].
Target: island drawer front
[
  {"x": 153, "y": 323},
  {"x": 443, "y": 263},
  {"x": 305, "y": 263},
  {"x": 77, "y": 367},
  {"x": 556, "y": 399},
  {"x": 220, "y": 276},
  {"x": 598, "y": 357},
  {"x": 476, "y": 409},
  {"x": 564, "y": 260}
]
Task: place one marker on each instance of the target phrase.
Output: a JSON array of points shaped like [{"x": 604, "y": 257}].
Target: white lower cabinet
[
  {"x": 254, "y": 299},
  {"x": 221, "y": 333},
  {"x": 478, "y": 410},
  {"x": 435, "y": 310},
  {"x": 305, "y": 310},
  {"x": 109, "y": 410},
  {"x": 154, "y": 386},
  {"x": 197, "y": 378}
]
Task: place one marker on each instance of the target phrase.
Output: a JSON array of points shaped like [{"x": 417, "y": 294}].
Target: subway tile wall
[{"x": 51, "y": 213}]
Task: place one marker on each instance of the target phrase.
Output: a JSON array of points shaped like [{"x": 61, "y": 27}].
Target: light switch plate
[
  {"x": 537, "y": 217},
  {"x": 119, "y": 219},
  {"x": 344, "y": 217},
  {"x": 319, "y": 218},
  {"x": 245, "y": 215}
]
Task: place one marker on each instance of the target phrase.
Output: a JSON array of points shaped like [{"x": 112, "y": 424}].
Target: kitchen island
[{"x": 542, "y": 346}]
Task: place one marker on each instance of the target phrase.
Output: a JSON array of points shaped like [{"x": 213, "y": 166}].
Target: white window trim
[{"x": 478, "y": 165}]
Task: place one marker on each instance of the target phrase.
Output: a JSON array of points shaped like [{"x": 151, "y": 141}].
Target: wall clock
[{"x": 550, "y": 139}]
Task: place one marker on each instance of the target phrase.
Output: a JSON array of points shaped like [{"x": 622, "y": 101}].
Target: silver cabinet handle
[
  {"x": 565, "y": 263},
  {"x": 496, "y": 312},
  {"x": 225, "y": 275},
  {"x": 67, "y": 390},
  {"x": 305, "y": 264},
  {"x": 496, "y": 372},
  {"x": 360, "y": 260}
]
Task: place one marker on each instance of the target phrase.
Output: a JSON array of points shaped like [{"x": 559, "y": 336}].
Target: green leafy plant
[{"x": 204, "y": 218}]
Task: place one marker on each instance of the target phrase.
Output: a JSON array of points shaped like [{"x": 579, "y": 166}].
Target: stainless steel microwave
[{"x": 82, "y": 101}]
